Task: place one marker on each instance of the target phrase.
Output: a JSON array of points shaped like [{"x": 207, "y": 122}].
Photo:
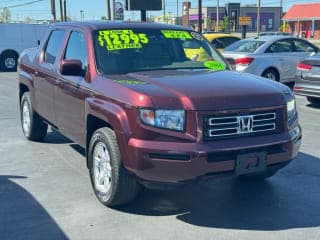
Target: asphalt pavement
[{"x": 45, "y": 193}]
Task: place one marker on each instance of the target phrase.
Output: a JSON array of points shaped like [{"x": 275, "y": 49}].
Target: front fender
[{"x": 115, "y": 116}]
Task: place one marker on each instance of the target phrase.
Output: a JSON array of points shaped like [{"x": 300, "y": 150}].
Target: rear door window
[{"x": 54, "y": 46}]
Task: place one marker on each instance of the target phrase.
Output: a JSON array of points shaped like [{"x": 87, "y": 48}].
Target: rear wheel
[
  {"x": 271, "y": 74},
  {"x": 9, "y": 61},
  {"x": 313, "y": 100},
  {"x": 34, "y": 128},
  {"x": 112, "y": 183}
]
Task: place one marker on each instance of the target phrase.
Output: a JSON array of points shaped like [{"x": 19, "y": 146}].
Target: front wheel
[
  {"x": 34, "y": 128},
  {"x": 112, "y": 183}
]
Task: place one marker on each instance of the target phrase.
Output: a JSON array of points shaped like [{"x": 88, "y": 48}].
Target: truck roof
[{"x": 96, "y": 25}]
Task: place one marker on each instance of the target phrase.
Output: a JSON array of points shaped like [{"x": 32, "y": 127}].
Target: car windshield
[
  {"x": 247, "y": 45},
  {"x": 119, "y": 51}
]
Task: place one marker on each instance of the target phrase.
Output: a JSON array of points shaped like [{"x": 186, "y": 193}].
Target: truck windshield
[{"x": 119, "y": 51}]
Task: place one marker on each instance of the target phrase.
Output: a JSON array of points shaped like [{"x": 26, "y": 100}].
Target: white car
[{"x": 273, "y": 57}]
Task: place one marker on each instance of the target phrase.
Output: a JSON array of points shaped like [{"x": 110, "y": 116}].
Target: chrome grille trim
[{"x": 238, "y": 125}]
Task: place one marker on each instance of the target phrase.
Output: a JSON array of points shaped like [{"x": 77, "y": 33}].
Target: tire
[
  {"x": 105, "y": 164},
  {"x": 33, "y": 127},
  {"x": 9, "y": 62},
  {"x": 313, "y": 100},
  {"x": 271, "y": 74}
]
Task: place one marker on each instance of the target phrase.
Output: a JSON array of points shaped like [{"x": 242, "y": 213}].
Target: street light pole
[
  {"x": 258, "y": 17},
  {"x": 217, "y": 17}
]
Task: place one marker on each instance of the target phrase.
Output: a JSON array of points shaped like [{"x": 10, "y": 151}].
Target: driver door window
[{"x": 77, "y": 49}]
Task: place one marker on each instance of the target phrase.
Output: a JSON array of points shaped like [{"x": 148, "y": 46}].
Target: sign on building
[{"x": 244, "y": 21}]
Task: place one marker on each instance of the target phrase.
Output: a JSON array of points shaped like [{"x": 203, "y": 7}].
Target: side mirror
[{"x": 72, "y": 67}]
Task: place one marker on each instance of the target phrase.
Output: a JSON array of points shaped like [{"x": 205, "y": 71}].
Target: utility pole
[
  {"x": 113, "y": 9},
  {"x": 200, "y": 16},
  {"x": 164, "y": 10},
  {"x": 258, "y": 17},
  {"x": 281, "y": 13},
  {"x": 65, "y": 10},
  {"x": 217, "y": 17},
  {"x": 61, "y": 11},
  {"x": 53, "y": 10},
  {"x": 177, "y": 10},
  {"x": 108, "y": 10}
]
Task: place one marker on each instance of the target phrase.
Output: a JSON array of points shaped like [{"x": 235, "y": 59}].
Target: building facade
[
  {"x": 270, "y": 17},
  {"x": 303, "y": 20}
]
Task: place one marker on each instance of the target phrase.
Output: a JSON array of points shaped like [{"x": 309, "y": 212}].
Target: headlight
[
  {"x": 168, "y": 119},
  {"x": 291, "y": 108}
]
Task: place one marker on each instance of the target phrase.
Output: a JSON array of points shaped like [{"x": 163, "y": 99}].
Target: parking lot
[{"x": 45, "y": 193}]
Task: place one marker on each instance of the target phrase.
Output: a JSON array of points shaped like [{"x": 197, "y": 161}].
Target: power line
[{"x": 22, "y": 4}]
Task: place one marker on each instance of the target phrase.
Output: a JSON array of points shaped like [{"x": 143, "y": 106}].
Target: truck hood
[{"x": 205, "y": 90}]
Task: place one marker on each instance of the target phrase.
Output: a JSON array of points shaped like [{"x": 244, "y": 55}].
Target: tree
[
  {"x": 28, "y": 19},
  {"x": 5, "y": 15},
  {"x": 225, "y": 23}
]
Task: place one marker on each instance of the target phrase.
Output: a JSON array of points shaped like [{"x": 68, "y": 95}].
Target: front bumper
[{"x": 178, "y": 162}]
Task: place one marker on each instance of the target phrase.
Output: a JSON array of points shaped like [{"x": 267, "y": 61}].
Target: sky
[{"x": 94, "y": 9}]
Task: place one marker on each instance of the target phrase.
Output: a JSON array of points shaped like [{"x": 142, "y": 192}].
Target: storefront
[{"x": 303, "y": 20}]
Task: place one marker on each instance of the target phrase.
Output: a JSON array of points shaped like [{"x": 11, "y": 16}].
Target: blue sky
[{"x": 94, "y": 9}]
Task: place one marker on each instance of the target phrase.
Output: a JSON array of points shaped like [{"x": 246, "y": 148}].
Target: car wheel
[
  {"x": 34, "y": 128},
  {"x": 112, "y": 183},
  {"x": 271, "y": 74},
  {"x": 9, "y": 61},
  {"x": 313, "y": 100}
]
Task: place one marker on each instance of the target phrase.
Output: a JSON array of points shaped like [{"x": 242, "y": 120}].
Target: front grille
[{"x": 228, "y": 126}]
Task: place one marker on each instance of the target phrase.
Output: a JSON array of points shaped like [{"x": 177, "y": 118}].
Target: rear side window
[
  {"x": 229, "y": 40},
  {"x": 302, "y": 46},
  {"x": 54, "y": 45},
  {"x": 217, "y": 43},
  {"x": 77, "y": 48}
]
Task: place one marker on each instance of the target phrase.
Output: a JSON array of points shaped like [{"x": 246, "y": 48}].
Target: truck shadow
[
  {"x": 314, "y": 105},
  {"x": 22, "y": 216},
  {"x": 55, "y": 137},
  {"x": 290, "y": 199}
]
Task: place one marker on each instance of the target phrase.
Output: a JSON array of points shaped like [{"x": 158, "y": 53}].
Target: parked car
[
  {"x": 147, "y": 114},
  {"x": 308, "y": 83},
  {"x": 221, "y": 40},
  {"x": 274, "y": 33},
  {"x": 16, "y": 37},
  {"x": 273, "y": 57}
]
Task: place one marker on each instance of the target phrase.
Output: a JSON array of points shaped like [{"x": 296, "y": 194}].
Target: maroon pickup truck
[{"x": 153, "y": 105}]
